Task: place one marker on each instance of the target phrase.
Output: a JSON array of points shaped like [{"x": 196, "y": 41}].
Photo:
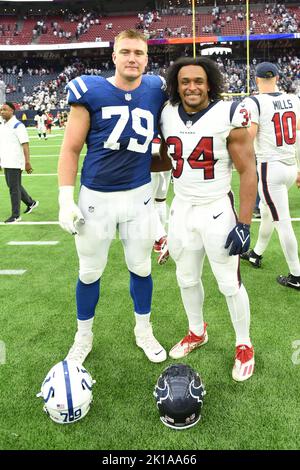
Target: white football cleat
[
  {"x": 146, "y": 340},
  {"x": 244, "y": 363},
  {"x": 188, "y": 344},
  {"x": 81, "y": 348}
]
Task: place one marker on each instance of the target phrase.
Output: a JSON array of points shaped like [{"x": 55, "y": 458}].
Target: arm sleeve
[
  {"x": 240, "y": 115},
  {"x": 77, "y": 91}
]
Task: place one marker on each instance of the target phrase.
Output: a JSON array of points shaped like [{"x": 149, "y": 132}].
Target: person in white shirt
[
  {"x": 275, "y": 119},
  {"x": 14, "y": 157}
]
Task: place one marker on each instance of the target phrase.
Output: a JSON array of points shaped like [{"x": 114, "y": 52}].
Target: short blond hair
[{"x": 130, "y": 34}]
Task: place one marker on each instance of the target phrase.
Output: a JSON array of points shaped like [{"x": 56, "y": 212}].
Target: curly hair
[{"x": 214, "y": 77}]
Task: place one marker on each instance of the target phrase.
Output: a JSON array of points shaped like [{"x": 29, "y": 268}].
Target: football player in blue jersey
[{"x": 117, "y": 118}]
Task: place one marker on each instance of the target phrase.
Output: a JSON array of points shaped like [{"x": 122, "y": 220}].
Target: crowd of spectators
[
  {"x": 49, "y": 94},
  {"x": 8, "y": 28},
  {"x": 280, "y": 19},
  {"x": 268, "y": 19}
]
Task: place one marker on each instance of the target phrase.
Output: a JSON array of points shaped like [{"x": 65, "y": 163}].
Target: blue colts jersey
[{"x": 122, "y": 127}]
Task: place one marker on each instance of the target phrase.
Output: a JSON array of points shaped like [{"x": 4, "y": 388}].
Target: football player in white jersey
[
  {"x": 40, "y": 119},
  {"x": 160, "y": 185},
  {"x": 205, "y": 136},
  {"x": 117, "y": 117},
  {"x": 275, "y": 117}
]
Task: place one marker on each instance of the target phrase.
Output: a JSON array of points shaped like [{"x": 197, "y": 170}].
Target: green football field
[{"x": 38, "y": 322}]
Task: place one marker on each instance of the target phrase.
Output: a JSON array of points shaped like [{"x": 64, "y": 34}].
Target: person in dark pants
[{"x": 14, "y": 154}]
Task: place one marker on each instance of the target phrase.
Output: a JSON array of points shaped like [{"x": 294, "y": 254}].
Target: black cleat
[
  {"x": 289, "y": 281},
  {"x": 30, "y": 208},
  {"x": 12, "y": 220},
  {"x": 252, "y": 257}
]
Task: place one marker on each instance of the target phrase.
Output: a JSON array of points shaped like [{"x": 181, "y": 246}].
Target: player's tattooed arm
[{"x": 240, "y": 147}]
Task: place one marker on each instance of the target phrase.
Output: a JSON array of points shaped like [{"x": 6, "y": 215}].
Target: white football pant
[{"x": 132, "y": 213}]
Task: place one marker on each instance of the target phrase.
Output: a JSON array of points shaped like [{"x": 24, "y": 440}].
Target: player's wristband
[
  {"x": 243, "y": 226},
  {"x": 66, "y": 194}
]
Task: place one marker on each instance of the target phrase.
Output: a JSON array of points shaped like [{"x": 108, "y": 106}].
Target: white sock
[
  {"x": 193, "y": 298},
  {"x": 265, "y": 230},
  {"x": 161, "y": 208},
  {"x": 289, "y": 245},
  {"x": 159, "y": 228},
  {"x": 239, "y": 309},
  {"x": 142, "y": 321},
  {"x": 85, "y": 327}
]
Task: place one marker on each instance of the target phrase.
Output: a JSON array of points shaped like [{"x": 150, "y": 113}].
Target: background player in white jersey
[
  {"x": 160, "y": 185},
  {"x": 117, "y": 118},
  {"x": 275, "y": 118},
  {"x": 40, "y": 119},
  {"x": 205, "y": 136}
]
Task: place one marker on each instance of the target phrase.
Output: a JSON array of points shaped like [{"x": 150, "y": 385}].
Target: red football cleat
[{"x": 244, "y": 363}]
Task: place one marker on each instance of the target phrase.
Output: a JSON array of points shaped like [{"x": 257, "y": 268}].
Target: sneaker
[
  {"x": 252, "y": 257},
  {"x": 289, "y": 281},
  {"x": 164, "y": 253},
  {"x": 81, "y": 348},
  {"x": 244, "y": 363},
  {"x": 188, "y": 344},
  {"x": 149, "y": 344},
  {"x": 12, "y": 220},
  {"x": 30, "y": 208},
  {"x": 158, "y": 244},
  {"x": 256, "y": 213}
]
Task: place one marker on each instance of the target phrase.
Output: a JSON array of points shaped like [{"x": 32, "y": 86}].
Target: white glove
[{"x": 70, "y": 216}]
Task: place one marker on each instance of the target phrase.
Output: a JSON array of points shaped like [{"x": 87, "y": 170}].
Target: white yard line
[
  {"x": 12, "y": 272},
  {"x": 44, "y": 156},
  {"x": 33, "y": 243},
  {"x": 38, "y": 174},
  {"x": 44, "y": 146},
  {"x": 295, "y": 219},
  {"x": 48, "y": 136},
  {"x": 32, "y": 223},
  {"x": 48, "y": 156}
]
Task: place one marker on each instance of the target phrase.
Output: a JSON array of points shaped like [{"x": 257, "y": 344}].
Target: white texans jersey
[
  {"x": 197, "y": 144},
  {"x": 40, "y": 121},
  {"x": 277, "y": 115}
]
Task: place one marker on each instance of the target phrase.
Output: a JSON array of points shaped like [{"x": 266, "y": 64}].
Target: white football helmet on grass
[{"x": 67, "y": 392}]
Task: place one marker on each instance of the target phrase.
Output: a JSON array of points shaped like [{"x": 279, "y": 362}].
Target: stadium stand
[
  {"x": 26, "y": 82},
  {"x": 227, "y": 21}
]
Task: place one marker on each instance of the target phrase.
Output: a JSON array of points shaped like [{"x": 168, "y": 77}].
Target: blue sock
[
  {"x": 141, "y": 292},
  {"x": 87, "y": 296}
]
